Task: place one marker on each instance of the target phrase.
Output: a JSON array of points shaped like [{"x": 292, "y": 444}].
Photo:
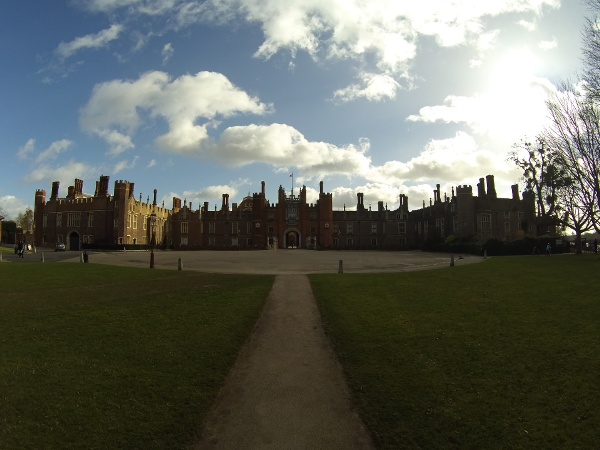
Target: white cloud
[
  {"x": 548, "y": 45},
  {"x": 278, "y": 144},
  {"x": 152, "y": 163},
  {"x": 167, "y": 53},
  {"x": 98, "y": 40},
  {"x": 386, "y": 32},
  {"x": 125, "y": 164},
  {"x": 65, "y": 173},
  {"x": 11, "y": 206},
  {"x": 149, "y": 7},
  {"x": 527, "y": 24},
  {"x": 27, "y": 149},
  {"x": 118, "y": 142},
  {"x": 213, "y": 194},
  {"x": 113, "y": 109},
  {"x": 54, "y": 150},
  {"x": 455, "y": 159},
  {"x": 372, "y": 86}
]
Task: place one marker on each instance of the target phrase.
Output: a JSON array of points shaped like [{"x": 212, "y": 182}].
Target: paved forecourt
[{"x": 282, "y": 261}]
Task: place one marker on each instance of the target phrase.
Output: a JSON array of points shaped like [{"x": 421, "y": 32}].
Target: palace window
[
  {"x": 507, "y": 227},
  {"x": 486, "y": 221},
  {"x": 128, "y": 220},
  {"x": 374, "y": 241},
  {"x": 373, "y": 228},
  {"x": 350, "y": 242},
  {"x": 349, "y": 228},
  {"x": 135, "y": 221},
  {"x": 506, "y": 215},
  {"x": 90, "y": 220},
  {"x": 234, "y": 228},
  {"x": 211, "y": 228},
  {"x": 184, "y": 228},
  {"x": 455, "y": 223},
  {"x": 73, "y": 219},
  {"x": 336, "y": 242},
  {"x": 211, "y": 241},
  {"x": 401, "y": 227},
  {"x": 249, "y": 228},
  {"x": 271, "y": 230},
  {"x": 59, "y": 220},
  {"x": 184, "y": 240}
]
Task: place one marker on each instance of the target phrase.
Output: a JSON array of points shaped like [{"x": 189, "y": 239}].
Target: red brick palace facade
[{"x": 119, "y": 219}]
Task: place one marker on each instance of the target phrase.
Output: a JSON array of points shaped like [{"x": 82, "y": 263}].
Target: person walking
[
  {"x": 548, "y": 250},
  {"x": 21, "y": 249}
]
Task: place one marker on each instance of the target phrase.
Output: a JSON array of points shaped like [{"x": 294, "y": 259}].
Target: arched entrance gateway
[
  {"x": 73, "y": 240},
  {"x": 292, "y": 239}
]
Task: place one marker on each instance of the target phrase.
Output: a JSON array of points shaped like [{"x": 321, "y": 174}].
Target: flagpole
[{"x": 292, "y": 175}]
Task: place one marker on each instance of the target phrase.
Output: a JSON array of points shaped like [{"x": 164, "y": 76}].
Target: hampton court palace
[{"x": 119, "y": 219}]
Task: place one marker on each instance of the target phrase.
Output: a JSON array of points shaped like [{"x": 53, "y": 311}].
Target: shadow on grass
[
  {"x": 504, "y": 354},
  {"x": 112, "y": 357}
]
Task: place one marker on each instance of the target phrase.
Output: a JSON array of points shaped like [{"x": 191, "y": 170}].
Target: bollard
[
  {"x": 81, "y": 257},
  {"x": 341, "y": 266},
  {"x": 484, "y": 254},
  {"x": 42, "y": 256},
  {"x": 451, "y": 260},
  {"x": 179, "y": 264}
]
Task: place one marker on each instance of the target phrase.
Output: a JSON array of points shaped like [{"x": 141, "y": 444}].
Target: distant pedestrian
[
  {"x": 21, "y": 249},
  {"x": 548, "y": 250},
  {"x": 534, "y": 252}
]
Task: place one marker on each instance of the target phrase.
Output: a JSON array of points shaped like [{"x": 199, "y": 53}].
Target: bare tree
[
  {"x": 591, "y": 49},
  {"x": 576, "y": 217},
  {"x": 574, "y": 135}
]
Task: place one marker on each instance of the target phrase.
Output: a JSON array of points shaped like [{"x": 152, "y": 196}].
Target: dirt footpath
[{"x": 286, "y": 390}]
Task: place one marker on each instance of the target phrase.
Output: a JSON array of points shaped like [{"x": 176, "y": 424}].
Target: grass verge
[
  {"x": 503, "y": 354},
  {"x": 110, "y": 357}
]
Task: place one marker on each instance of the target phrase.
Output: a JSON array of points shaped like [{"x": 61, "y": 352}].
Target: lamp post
[{"x": 152, "y": 238}]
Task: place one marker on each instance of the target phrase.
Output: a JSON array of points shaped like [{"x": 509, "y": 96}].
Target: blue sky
[{"x": 201, "y": 98}]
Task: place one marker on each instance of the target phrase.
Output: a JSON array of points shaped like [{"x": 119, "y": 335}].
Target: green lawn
[
  {"x": 502, "y": 354},
  {"x": 97, "y": 356},
  {"x": 7, "y": 250}
]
